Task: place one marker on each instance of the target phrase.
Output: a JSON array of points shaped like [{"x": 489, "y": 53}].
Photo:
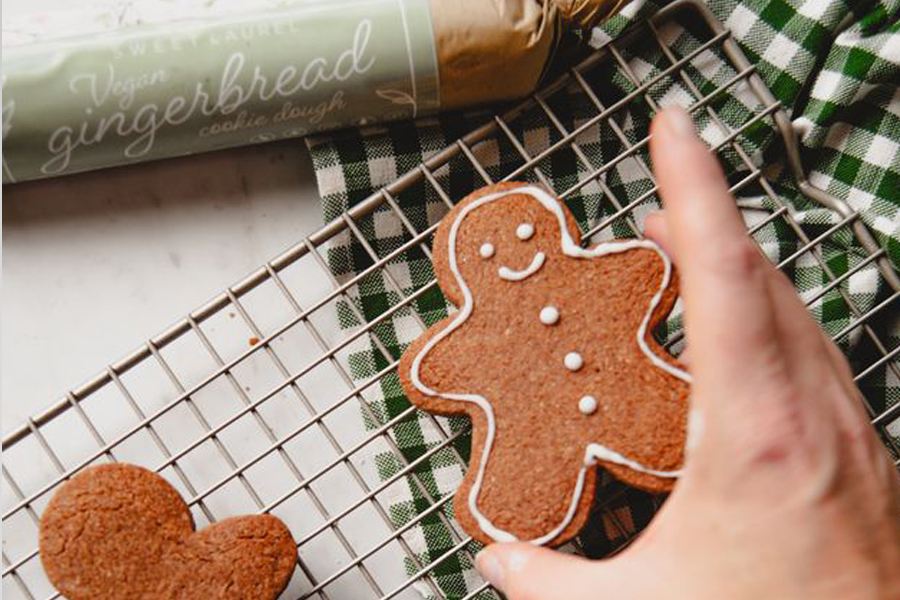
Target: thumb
[{"x": 526, "y": 572}]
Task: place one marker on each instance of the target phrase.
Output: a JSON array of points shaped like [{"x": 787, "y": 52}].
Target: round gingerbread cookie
[
  {"x": 121, "y": 532},
  {"x": 552, "y": 357}
]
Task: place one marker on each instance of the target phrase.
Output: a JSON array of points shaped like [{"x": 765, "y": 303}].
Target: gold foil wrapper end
[{"x": 495, "y": 50}]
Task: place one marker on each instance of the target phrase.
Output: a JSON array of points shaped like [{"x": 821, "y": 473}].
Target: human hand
[{"x": 786, "y": 491}]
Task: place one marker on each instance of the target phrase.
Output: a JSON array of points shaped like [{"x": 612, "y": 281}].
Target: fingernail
[
  {"x": 679, "y": 122},
  {"x": 490, "y": 568}
]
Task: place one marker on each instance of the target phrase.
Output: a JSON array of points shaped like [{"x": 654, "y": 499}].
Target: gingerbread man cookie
[
  {"x": 551, "y": 355},
  {"x": 120, "y": 532}
]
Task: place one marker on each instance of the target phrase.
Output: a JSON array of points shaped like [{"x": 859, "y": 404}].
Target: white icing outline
[
  {"x": 593, "y": 452},
  {"x": 511, "y": 275}
]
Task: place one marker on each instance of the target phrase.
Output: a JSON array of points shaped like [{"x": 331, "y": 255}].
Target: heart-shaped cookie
[{"x": 121, "y": 532}]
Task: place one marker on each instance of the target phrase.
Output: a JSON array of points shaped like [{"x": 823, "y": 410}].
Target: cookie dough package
[{"x": 98, "y": 94}]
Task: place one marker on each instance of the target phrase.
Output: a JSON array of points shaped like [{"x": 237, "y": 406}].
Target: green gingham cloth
[{"x": 835, "y": 67}]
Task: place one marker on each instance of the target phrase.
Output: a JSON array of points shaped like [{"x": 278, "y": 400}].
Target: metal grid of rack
[{"x": 273, "y": 425}]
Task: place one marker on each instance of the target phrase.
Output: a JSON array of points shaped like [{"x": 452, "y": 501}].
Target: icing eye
[
  {"x": 525, "y": 231},
  {"x": 487, "y": 250}
]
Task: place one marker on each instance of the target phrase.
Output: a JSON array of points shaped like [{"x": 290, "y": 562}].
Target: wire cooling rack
[{"x": 247, "y": 403}]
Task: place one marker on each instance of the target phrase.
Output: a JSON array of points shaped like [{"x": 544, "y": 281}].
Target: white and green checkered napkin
[{"x": 834, "y": 67}]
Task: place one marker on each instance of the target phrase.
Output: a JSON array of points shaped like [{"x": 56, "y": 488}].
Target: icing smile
[{"x": 536, "y": 263}]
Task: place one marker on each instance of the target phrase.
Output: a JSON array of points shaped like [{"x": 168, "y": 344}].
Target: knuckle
[
  {"x": 797, "y": 435},
  {"x": 851, "y": 421},
  {"x": 779, "y": 432},
  {"x": 737, "y": 260},
  {"x": 776, "y": 447},
  {"x": 858, "y": 433}
]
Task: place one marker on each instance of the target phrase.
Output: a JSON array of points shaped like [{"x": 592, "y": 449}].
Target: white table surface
[{"x": 94, "y": 264}]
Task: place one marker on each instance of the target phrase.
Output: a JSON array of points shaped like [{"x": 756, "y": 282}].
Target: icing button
[
  {"x": 573, "y": 361},
  {"x": 525, "y": 231},
  {"x": 486, "y": 250},
  {"x": 549, "y": 315},
  {"x": 587, "y": 405}
]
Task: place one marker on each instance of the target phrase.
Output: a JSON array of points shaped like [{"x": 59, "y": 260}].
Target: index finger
[{"x": 729, "y": 319}]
